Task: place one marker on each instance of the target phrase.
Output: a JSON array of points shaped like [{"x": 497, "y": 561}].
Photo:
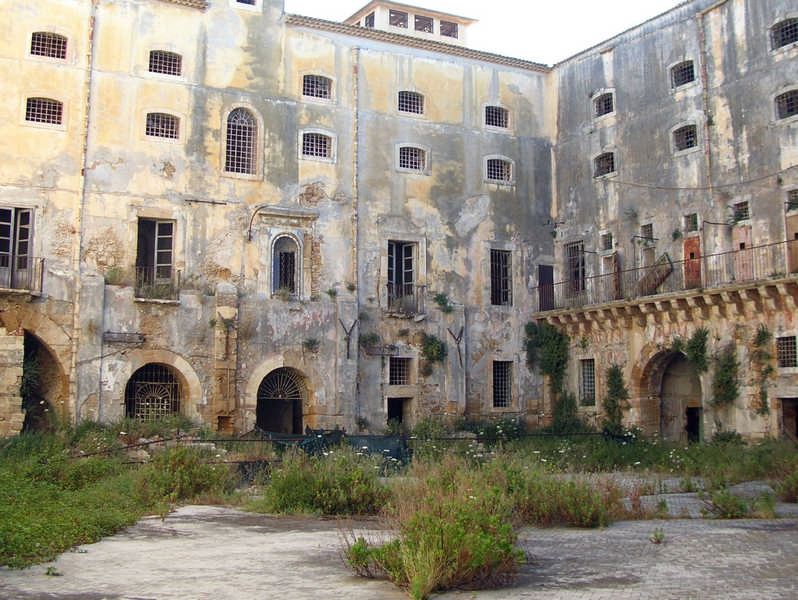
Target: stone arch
[
  {"x": 270, "y": 364},
  {"x": 50, "y": 388},
  {"x": 281, "y": 400}
]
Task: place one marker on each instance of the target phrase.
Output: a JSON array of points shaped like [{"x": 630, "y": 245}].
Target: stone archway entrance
[
  {"x": 154, "y": 392},
  {"x": 281, "y": 396},
  {"x": 44, "y": 386},
  {"x": 680, "y": 401}
]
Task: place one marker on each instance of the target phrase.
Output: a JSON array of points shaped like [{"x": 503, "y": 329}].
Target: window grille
[
  {"x": 241, "y": 142},
  {"x": 691, "y": 222},
  {"x": 604, "y": 164},
  {"x": 682, "y": 74},
  {"x": 785, "y": 352},
  {"x": 412, "y": 158},
  {"x": 162, "y": 125},
  {"x": 606, "y": 241},
  {"x": 51, "y": 45},
  {"x": 496, "y": 116},
  {"x": 647, "y": 232},
  {"x": 499, "y": 170},
  {"x": 423, "y": 24},
  {"x": 787, "y": 104},
  {"x": 603, "y": 105},
  {"x": 166, "y": 63},
  {"x": 741, "y": 211},
  {"x": 449, "y": 29},
  {"x": 575, "y": 257},
  {"x": 399, "y": 371},
  {"x": 502, "y": 383},
  {"x": 411, "y": 102},
  {"x": 397, "y": 18},
  {"x": 285, "y": 265},
  {"x": 784, "y": 33},
  {"x": 685, "y": 137},
  {"x": 153, "y": 393},
  {"x": 317, "y": 86},
  {"x": 316, "y": 145},
  {"x": 500, "y": 277},
  {"x": 587, "y": 391},
  {"x": 280, "y": 397},
  {"x": 44, "y": 110}
]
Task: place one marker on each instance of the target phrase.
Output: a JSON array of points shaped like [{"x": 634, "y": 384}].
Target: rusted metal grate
[{"x": 51, "y": 45}]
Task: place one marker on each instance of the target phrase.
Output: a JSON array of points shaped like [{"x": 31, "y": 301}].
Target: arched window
[
  {"x": 499, "y": 170},
  {"x": 285, "y": 263},
  {"x": 153, "y": 393},
  {"x": 44, "y": 110},
  {"x": 51, "y": 45},
  {"x": 411, "y": 102},
  {"x": 241, "y": 142},
  {"x": 604, "y": 164},
  {"x": 787, "y": 104},
  {"x": 784, "y": 33},
  {"x": 682, "y": 74},
  {"x": 317, "y": 86},
  {"x": 685, "y": 137},
  {"x": 603, "y": 104}
]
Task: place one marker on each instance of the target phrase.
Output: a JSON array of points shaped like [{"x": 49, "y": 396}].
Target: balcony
[
  {"x": 712, "y": 271},
  {"x": 405, "y": 299},
  {"x": 157, "y": 283},
  {"x": 22, "y": 274}
]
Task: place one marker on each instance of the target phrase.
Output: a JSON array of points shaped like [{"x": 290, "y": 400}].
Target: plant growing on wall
[
  {"x": 696, "y": 349},
  {"x": 760, "y": 359},
  {"x": 547, "y": 348},
  {"x": 442, "y": 300},
  {"x": 311, "y": 344},
  {"x": 433, "y": 349},
  {"x": 616, "y": 401},
  {"x": 725, "y": 385}
]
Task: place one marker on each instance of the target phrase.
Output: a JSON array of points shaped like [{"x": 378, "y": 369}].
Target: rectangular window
[
  {"x": 411, "y": 102},
  {"x": 502, "y": 383},
  {"x": 247, "y": 2},
  {"x": 685, "y": 137},
  {"x": 606, "y": 241},
  {"x": 741, "y": 212},
  {"x": 792, "y": 200},
  {"x": 155, "y": 259},
  {"x": 401, "y": 276},
  {"x": 163, "y": 126},
  {"x": 785, "y": 352},
  {"x": 496, "y": 116},
  {"x": 587, "y": 382},
  {"x": 604, "y": 164},
  {"x": 501, "y": 278},
  {"x": 397, "y": 18},
  {"x": 412, "y": 158},
  {"x": 44, "y": 110},
  {"x": 691, "y": 222},
  {"x": 16, "y": 263},
  {"x": 787, "y": 104},
  {"x": 449, "y": 29},
  {"x": 369, "y": 21},
  {"x": 575, "y": 261},
  {"x": 647, "y": 232},
  {"x": 399, "y": 371},
  {"x": 317, "y": 86},
  {"x": 423, "y": 24},
  {"x": 51, "y": 45},
  {"x": 316, "y": 145},
  {"x": 499, "y": 170},
  {"x": 784, "y": 33},
  {"x": 166, "y": 63},
  {"x": 682, "y": 74},
  {"x": 603, "y": 105}
]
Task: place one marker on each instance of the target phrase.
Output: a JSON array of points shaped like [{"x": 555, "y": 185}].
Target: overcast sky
[{"x": 545, "y": 31}]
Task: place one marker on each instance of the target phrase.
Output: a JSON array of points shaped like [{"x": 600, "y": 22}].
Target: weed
[{"x": 658, "y": 536}]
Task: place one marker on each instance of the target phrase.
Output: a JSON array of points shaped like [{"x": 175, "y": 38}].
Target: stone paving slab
[{"x": 219, "y": 553}]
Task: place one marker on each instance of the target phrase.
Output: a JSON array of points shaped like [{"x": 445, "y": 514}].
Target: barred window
[
  {"x": 412, "y": 158},
  {"x": 162, "y": 125},
  {"x": 496, "y": 116},
  {"x": 685, "y": 137},
  {"x": 575, "y": 263},
  {"x": 785, "y": 352},
  {"x": 399, "y": 371},
  {"x": 691, "y": 222},
  {"x": 499, "y": 169},
  {"x": 423, "y": 24},
  {"x": 784, "y": 33},
  {"x": 166, "y": 63},
  {"x": 153, "y": 393},
  {"x": 604, "y": 164},
  {"x": 606, "y": 241},
  {"x": 449, "y": 29},
  {"x": 501, "y": 278},
  {"x": 411, "y": 102},
  {"x": 397, "y": 18},
  {"x": 741, "y": 211},
  {"x": 647, "y": 232},
  {"x": 316, "y": 145},
  {"x": 317, "y": 86},
  {"x": 682, "y": 74},
  {"x": 242, "y": 137},
  {"x": 502, "y": 383},
  {"x": 792, "y": 200},
  {"x": 44, "y": 110},
  {"x": 603, "y": 105},
  {"x": 587, "y": 383},
  {"x": 51, "y": 45},
  {"x": 787, "y": 104}
]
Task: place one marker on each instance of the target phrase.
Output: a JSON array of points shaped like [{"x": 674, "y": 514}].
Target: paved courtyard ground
[{"x": 217, "y": 553}]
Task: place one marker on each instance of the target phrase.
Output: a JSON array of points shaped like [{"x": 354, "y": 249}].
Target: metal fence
[
  {"x": 769, "y": 261},
  {"x": 161, "y": 283},
  {"x": 21, "y": 273}
]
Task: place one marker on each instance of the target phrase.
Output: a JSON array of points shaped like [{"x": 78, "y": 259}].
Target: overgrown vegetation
[
  {"x": 616, "y": 401},
  {"x": 547, "y": 348},
  {"x": 725, "y": 384},
  {"x": 761, "y": 361}
]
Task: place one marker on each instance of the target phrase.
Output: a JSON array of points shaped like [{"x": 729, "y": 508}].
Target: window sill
[{"x": 161, "y": 301}]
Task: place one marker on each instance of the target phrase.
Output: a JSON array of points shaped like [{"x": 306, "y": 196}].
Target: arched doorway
[
  {"x": 153, "y": 393},
  {"x": 680, "y": 401},
  {"x": 43, "y": 386},
  {"x": 280, "y": 396}
]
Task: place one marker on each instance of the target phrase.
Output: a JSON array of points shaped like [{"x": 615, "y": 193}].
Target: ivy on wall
[
  {"x": 547, "y": 348},
  {"x": 725, "y": 384},
  {"x": 616, "y": 401}
]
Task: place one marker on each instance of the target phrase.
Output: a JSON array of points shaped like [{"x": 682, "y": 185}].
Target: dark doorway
[
  {"x": 545, "y": 287},
  {"x": 397, "y": 409},
  {"x": 280, "y": 398},
  {"x": 789, "y": 417},
  {"x": 693, "y": 424}
]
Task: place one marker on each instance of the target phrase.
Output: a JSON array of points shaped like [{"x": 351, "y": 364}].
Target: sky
[{"x": 544, "y": 31}]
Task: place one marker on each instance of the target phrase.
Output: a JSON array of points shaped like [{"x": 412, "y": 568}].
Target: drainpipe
[
  {"x": 79, "y": 221},
  {"x": 355, "y": 215}
]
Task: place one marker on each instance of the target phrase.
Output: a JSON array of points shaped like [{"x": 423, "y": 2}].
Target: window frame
[
  {"x": 275, "y": 273},
  {"x": 450, "y": 26},
  {"x": 604, "y": 174},
  {"x": 792, "y": 93},
  {"x": 46, "y": 57},
  {"x": 692, "y": 223},
  {"x": 331, "y": 149},
  {"x": 410, "y": 97},
  {"x": 403, "y": 374},
  {"x": 506, "y": 161},
  {"x": 156, "y": 138},
  {"x": 594, "y": 104},
  {"x": 255, "y": 6},
  {"x": 679, "y": 67},
  {"x": 166, "y": 52},
  {"x": 330, "y": 99},
  {"x": 499, "y": 108},
  {"x": 20, "y": 242},
  {"x": 416, "y": 29},
  {"x": 587, "y": 383},
  {"x": 502, "y": 384},
  {"x": 792, "y": 19},
  {"x": 425, "y": 170},
  {"x": 145, "y": 283},
  {"x": 786, "y": 354},
  {"x": 396, "y": 15},
  {"x": 258, "y": 143},
  {"x": 575, "y": 265},
  {"x": 60, "y": 126},
  {"x": 501, "y": 277},
  {"x": 682, "y": 128}
]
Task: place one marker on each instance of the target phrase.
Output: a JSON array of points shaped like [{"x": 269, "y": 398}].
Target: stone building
[{"x": 261, "y": 219}]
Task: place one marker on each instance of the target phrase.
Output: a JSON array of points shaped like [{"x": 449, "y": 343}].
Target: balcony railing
[
  {"x": 768, "y": 261},
  {"x": 404, "y": 298},
  {"x": 157, "y": 283},
  {"x": 21, "y": 273}
]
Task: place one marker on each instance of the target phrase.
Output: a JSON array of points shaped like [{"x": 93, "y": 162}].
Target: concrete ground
[{"x": 219, "y": 553}]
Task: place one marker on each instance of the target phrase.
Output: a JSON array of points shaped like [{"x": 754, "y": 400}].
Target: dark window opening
[
  {"x": 603, "y": 105},
  {"x": 284, "y": 276},
  {"x": 369, "y": 20},
  {"x": 166, "y": 63},
  {"x": 792, "y": 200},
  {"x": 316, "y": 145},
  {"x": 162, "y": 125},
  {"x": 423, "y": 23},
  {"x": 44, "y": 110},
  {"x": 399, "y": 371},
  {"x": 741, "y": 211},
  {"x": 411, "y": 102},
  {"x": 604, "y": 164},
  {"x": 587, "y": 388},
  {"x": 397, "y": 410},
  {"x": 787, "y": 104},
  {"x": 785, "y": 352},
  {"x": 155, "y": 259},
  {"x": 575, "y": 260},
  {"x": 241, "y": 140},
  {"x": 16, "y": 263},
  {"x": 397, "y": 18},
  {"x": 317, "y": 86},
  {"x": 401, "y": 276},
  {"x": 685, "y": 137},
  {"x": 496, "y": 116},
  {"x": 449, "y": 29},
  {"x": 784, "y": 33},
  {"x": 502, "y": 383},
  {"x": 682, "y": 74},
  {"x": 501, "y": 277},
  {"x": 691, "y": 222},
  {"x": 153, "y": 393},
  {"x": 247, "y": 2},
  {"x": 606, "y": 241},
  {"x": 412, "y": 158},
  {"x": 51, "y": 45},
  {"x": 499, "y": 170},
  {"x": 693, "y": 424}
]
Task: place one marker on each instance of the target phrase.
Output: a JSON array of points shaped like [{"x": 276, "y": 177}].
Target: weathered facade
[{"x": 261, "y": 219}]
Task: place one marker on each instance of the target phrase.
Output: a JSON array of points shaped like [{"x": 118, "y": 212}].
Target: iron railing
[
  {"x": 157, "y": 283},
  {"x": 768, "y": 261},
  {"x": 21, "y": 273},
  {"x": 404, "y": 298}
]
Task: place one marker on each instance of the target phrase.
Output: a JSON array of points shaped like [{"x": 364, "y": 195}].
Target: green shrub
[
  {"x": 616, "y": 401},
  {"x": 787, "y": 489},
  {"x": 722, "y": 504}
]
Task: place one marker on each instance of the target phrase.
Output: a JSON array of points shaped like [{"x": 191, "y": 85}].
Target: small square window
[
  {"x": 502, "y": 383},
  {"x": 316, "y": 145},
  {"x": 685, "y": 137},
  {"x": 397, "y": 18},
  {"x": 51, "y": 45},
  {"x": 603, "y": 105},
  {"x": 496, "y": 116},
  {"x": 423, "y": 24},
  {"x": 792, "y": 200},
  {"x": 691, "y": 222},
  {"x": 604, "y": 164},
  {"x": 166, "y": 63},
  {"x": 411, "y": 102},
  {"x": 399, "y": 371},
  {"x": 44, "y": 110},
  {"x": 785, "y": 352},
  {"x": 741, "y": 212},
  {"x": 499, "y": 170},
  {"x": 317, "y": 86},
  {"x": 787, "y": 104},
  {"x": 784, "y": 33},
  {"x": 587, "y": 383},
  {"x": 162, "y": 125},
  {"x": 606, "y": 241},
  {"x": 449, "y": 29},
  {"x": 412, "y": 158},
  {"x": 682, "y": 74}
]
